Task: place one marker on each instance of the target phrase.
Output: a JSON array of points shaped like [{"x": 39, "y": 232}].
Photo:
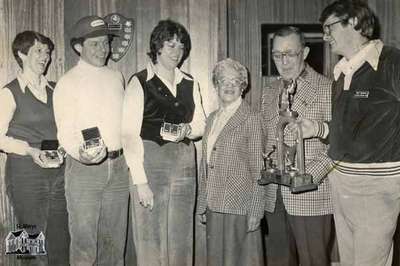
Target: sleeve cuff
[{"x": 322, "y": 130}]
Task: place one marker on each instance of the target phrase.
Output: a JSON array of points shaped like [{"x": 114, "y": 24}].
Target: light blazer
[
  {"x": 228, "y": 183},
  {"x": 313, "y": 101}
]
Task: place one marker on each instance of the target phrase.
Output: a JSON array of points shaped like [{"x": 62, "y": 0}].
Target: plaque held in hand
[
  {"x": 51, "y": 157},
  {"x": 92, "y": 141},
  {"x": 170, "y": 131}
]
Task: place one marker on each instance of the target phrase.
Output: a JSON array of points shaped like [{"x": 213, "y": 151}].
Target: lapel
[
  {"x": 238, "y": 118},
  {"x": 207, "y": 130},
  {"x": 306, "y": 91}
]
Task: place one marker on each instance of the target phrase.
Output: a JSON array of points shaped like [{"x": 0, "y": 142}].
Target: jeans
[
  {"x": 164, "y": 236},
  {"x": 365, "y": 211},
  {"x": 38, "y": 199},
  {"x": 97, "y": 200}
]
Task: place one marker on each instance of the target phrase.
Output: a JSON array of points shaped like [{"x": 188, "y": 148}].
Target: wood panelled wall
[
  {"x": 244, "y": 31},
  {"x": 246, "y": 16},
  {"x": 205, "y": 21}
]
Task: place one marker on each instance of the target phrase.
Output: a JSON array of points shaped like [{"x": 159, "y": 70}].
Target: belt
[{"x": 114, "y": 154}]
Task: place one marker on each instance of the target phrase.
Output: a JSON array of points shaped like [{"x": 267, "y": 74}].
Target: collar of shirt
[
  {"x": 179, "y": 75},
  {"x": 369, "y": 53},
  {"x": 24, "y": 80}
]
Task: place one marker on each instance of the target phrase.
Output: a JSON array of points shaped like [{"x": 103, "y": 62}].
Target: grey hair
[{"x": 229, "y": 65}]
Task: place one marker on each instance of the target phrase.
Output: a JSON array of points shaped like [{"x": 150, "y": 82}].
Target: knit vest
[
  {"x": 160, "y": 105},
  {"x": 33, "y": 120}
]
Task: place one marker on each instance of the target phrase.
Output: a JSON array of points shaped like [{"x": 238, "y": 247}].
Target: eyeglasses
[
  {"x": 289, "y": 55},
  {"x": 327, "y": 27},
  {"x": 229, "y": 83}
]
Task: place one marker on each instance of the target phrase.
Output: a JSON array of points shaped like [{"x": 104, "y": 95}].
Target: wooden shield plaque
[{"x": 122, "y": 28}]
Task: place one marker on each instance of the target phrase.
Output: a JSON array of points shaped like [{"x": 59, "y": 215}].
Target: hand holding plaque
[
  {"x": 174, "y": 132},
  {"x": 171, "y": 132},
  {"x": 50, "y": 155},
  {"x": 93, "y": 149}
]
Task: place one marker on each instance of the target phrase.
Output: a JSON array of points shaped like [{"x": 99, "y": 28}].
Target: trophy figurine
[{"x": 285, "y": 172}]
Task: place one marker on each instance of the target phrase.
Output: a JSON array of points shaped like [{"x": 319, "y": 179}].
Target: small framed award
[
  {"x": 52, "y": 158},
  {"x": 170, "y": 131}
]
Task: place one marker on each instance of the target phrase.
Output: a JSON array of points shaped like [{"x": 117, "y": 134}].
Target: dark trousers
[
  {"x": 293, "y": 240},
  {"x": 38, "y": 199}
]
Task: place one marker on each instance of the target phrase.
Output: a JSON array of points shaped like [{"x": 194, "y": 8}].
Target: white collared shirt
[
  {"x": 369, "y": 53},
  {"x": 8, "y": 107},
  {"x": 132, "y": 119},
  {"x": 222, "y": 117},
  {"x": 88, "y": 96}
]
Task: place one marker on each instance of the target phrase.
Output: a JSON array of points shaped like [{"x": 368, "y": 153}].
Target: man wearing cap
[{"x": 90, "y": 96}]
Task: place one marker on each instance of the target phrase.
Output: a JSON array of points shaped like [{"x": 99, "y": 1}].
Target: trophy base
[{"x": 296, "y": 183}]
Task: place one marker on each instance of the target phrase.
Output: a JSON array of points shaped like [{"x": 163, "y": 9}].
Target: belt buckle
[{"x": 114, "y": 154}]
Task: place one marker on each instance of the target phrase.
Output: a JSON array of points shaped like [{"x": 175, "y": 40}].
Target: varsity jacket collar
[{"x": 369, "y": 53}]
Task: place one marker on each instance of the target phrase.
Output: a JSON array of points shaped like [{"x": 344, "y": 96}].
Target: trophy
[
  {"x": 92, "y": 140},
  {"x": 53, "y": 154},
  {"x": 285, "y": 172},
  {"x": 170, "y": 131}
]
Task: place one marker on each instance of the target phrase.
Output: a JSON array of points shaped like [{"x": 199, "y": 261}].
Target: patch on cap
[{"x": 97, "y": 22}]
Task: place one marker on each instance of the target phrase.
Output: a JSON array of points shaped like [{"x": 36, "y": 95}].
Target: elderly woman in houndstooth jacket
[{"x": 230, "y": 202}]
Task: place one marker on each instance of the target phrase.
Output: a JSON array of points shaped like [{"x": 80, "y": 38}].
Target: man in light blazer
[
  {"x": 300, "y": 226},
  {"x": 230, "y": 201}
]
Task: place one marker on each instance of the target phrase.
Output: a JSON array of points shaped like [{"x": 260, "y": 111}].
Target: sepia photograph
[{"x": 199, "y": 132}]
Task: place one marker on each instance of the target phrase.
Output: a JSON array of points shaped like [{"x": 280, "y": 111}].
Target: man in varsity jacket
[{"x": 364, "y": 134}]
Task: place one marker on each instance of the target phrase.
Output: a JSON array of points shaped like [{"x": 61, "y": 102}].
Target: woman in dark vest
[
  {"x": 162, "y": 115},
  {"x": 35, "y": 186}
]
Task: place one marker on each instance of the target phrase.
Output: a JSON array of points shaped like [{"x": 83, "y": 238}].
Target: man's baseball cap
[{"x": 89, "y": 27}]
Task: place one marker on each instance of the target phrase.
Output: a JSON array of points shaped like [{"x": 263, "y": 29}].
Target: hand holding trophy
[{"x": 284, "y": 172}]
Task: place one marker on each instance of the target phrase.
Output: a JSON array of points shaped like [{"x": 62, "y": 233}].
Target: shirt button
[
  {"x": 211, "y": 166},
  {"x": 159, "y": 89},
  {"x": 215, "y": 148},
  {"x": 176, "y": 104}
]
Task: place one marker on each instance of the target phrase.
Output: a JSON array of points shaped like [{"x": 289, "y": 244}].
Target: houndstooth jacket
[
  {"x": 228, "y": 183},
  {"x": 313, "y": 101}
]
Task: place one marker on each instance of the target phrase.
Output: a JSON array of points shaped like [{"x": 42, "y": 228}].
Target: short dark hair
[
  {"x": 165, "y": 31},
  {"x": 288, "y": 30},
  {"x": 346, "y": 9},
  {"x": 25, "y": 40}
]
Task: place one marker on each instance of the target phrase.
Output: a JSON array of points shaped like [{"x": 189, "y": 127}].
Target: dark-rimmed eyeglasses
[
  {"x": 327, "y": 27},
  {"x": 288, "y": 55}
]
